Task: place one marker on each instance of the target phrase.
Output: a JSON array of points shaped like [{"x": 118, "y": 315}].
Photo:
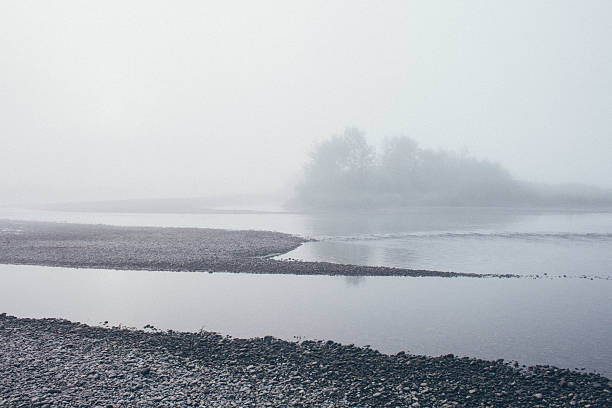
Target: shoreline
[
  {"x": 55, "y": 362},
  {"x": 174, "y": 249},
  {"x": 61, "y": 363}
]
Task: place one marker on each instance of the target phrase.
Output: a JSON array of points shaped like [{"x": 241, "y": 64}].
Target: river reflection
[
  {"x": 565, "y": 322},
  {"x": 354, "y": 280},
  {"x": 316, "y": 225},
  {"x": 480, "y": 240}
]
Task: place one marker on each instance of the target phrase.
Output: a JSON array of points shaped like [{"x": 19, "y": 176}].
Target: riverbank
[
  {"x": 171, "y": 249},
  {"x": 51, "y": 362}
]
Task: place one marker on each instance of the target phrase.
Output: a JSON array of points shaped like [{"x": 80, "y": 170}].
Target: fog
[
  {"x": 148, "y": 99},
  {"x": 346, "y": 171}
]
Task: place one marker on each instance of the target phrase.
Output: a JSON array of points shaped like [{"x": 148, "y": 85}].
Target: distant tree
[
  {"x": 340, "y": 170},
  {"x": 344, "y": 171},
  {"x": 342, "y": 155},
  {"x": 400, "y": 163}
]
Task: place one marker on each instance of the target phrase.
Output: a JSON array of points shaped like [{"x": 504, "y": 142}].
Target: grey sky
[{"x": 118, "y": 99}]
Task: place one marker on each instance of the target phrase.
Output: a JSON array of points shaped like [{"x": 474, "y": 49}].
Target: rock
[
  {"x": 209, "y": 370},
  {"x": 200, "y": 249}
]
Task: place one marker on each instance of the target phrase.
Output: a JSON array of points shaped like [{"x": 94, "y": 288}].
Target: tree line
[{"x": 345, "y": 171}]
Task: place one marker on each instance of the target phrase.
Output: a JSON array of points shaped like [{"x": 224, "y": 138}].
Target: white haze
[{"x": 145, "y": 99}]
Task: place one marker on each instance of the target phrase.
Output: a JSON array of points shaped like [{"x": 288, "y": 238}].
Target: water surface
[
  {"x": 565, "y": 322},
  {"x": 481, "y": 240}
]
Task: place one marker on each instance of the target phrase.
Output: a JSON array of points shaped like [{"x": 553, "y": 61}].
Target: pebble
[
  {"x": 172, "y": 369},
  {"x": 174, "y": 249}
]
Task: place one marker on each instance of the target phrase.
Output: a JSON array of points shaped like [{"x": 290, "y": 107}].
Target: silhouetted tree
[
  {"x": 339, "y": 172},
  {"x": 344, "y": 171}
]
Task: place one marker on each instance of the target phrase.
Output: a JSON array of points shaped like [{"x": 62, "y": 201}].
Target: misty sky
[{"x": 142, "y": 99}]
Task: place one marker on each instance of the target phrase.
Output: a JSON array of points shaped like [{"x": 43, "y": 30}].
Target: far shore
[{"x": 173, "y": 249}]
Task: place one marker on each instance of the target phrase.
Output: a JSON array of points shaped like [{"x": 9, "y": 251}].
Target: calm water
[
  {"x": 565, "y": 322},
  {"x": 478, "y": 240}
]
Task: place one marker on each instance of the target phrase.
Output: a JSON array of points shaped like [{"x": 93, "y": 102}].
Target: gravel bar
[
  {"x": 171, "y": 249},
  {"x": 53, "y": 362}
]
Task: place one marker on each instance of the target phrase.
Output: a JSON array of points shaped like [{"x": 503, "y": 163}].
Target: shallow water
[
  {"x": 481, "y": 240},
  {"x": 486, "y": 253},
  {"x": 565, "y": 322}
]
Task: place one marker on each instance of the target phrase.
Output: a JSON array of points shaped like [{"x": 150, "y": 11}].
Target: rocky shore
[
  {"x": 51, "y": 362},
  {"x": 170, "y": 249}
]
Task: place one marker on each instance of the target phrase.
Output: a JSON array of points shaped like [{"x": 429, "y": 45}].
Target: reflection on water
[
  {"x": 392, "y": 221},
  {"x": 565, "y": 322},
  {"x": 481, "y": 240},
  {"x": 554, "y": 257},
  {"x": 354, "y": 280},
  {"x": 350, "y": 223},
  {"x": 488, "y": 241}
]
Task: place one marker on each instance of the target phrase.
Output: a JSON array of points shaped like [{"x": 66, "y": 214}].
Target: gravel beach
[
  {"x": 51, "y": 362},
  {"x": 171, "y": 249}
]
